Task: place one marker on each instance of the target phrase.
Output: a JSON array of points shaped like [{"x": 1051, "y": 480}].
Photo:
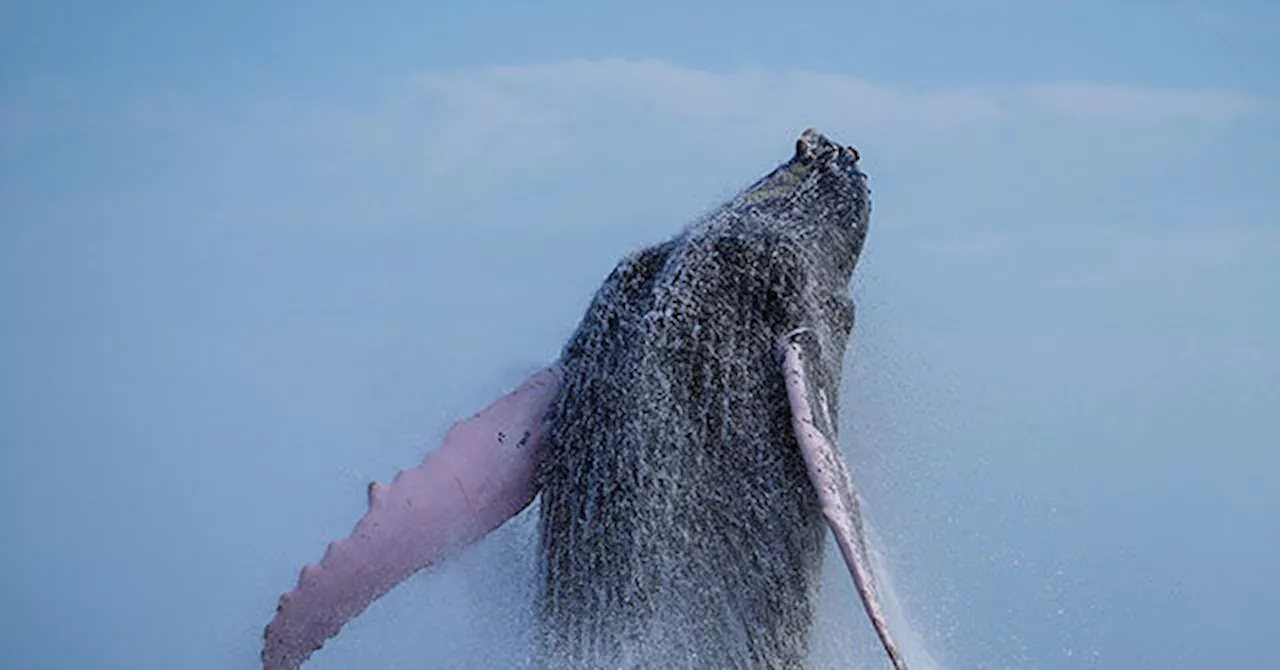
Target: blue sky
[{"x": 252, "y": 257}]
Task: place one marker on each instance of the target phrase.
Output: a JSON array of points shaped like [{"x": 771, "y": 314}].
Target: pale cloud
[
  {"x": 528, "y": 115},
  {"x": 543, "y": 107},
  {"x": 548, "y": 94},
  {"x": 663, "y": 88},
  {"x": 522, "y": 116},
  {"x": 535, "y": 118},
  {"x": 1113, "y": 102}
]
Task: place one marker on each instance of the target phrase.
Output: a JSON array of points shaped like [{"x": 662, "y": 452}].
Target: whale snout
[{"x": 813, "y": 145}]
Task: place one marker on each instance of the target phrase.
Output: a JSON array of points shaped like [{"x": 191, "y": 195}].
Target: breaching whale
[{"x": 684, "y": 446}]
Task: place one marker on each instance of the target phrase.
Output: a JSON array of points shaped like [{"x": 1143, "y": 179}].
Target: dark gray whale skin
[{"x": 678, "y": 525}]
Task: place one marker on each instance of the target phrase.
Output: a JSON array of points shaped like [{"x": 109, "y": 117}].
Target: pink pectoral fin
[
  {"x": 816, "y": 434},
  {"x": 483, "y": 474}
]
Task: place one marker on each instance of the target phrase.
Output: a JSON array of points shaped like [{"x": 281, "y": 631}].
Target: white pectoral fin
[
  {"x": 816, "y": 434},
  {"x": 483, "y": 474}
]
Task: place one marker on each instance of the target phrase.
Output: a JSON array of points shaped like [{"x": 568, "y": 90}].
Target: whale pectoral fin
[
  {"x": 816, "y": 434},
  {"x": 483, "y": 474}
]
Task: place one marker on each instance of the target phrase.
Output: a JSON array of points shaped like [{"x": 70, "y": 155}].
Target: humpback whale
[{"x": 684, "y": 447}]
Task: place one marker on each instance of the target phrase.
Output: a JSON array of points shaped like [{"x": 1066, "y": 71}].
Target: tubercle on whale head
[{"x": 822, "y": 188}]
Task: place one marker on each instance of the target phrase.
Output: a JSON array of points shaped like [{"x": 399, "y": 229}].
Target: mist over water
[
  {"x": 843, "y": 636},
  {"x": 478, "y": 611},
  {"x": 474, "y": 611}
]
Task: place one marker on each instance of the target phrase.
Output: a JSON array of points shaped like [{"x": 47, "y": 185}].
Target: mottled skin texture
[{"x": 678, "y": 525}]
